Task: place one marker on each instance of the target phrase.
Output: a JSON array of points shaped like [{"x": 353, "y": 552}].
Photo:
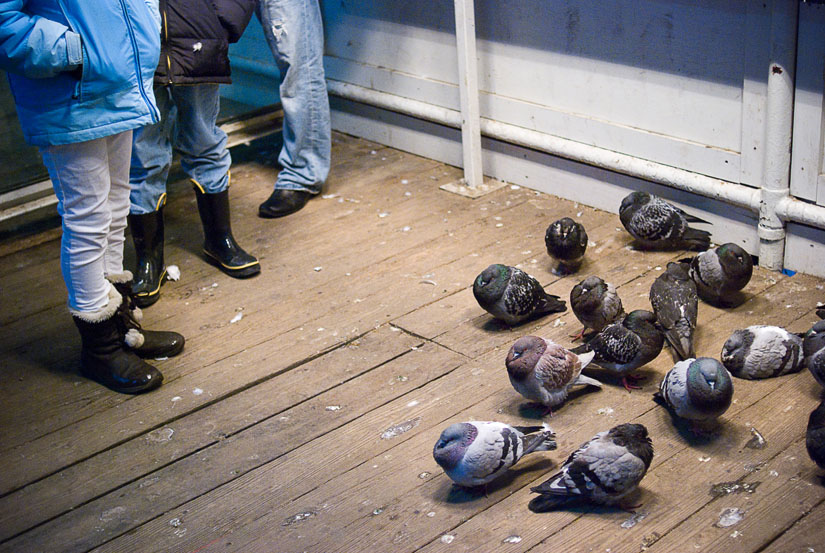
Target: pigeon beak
[{"x": 516, "y": 354}]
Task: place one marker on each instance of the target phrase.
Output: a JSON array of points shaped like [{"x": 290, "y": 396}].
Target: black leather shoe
[{"x": 283, "y": 202}]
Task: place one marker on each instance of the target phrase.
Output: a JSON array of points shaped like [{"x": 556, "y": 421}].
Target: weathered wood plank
[
  {"x": 807, "y": 535},
  {"x": 344, "y": 317},
  {"x": 195, "y": 431}
]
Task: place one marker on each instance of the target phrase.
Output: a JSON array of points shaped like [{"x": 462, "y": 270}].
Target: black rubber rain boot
[
  {"x": 149, "y": 344},
  {"x": 104, "y": 356},
  {"x": 219, "y": 245},
  {"x": 150, "y": 274}
]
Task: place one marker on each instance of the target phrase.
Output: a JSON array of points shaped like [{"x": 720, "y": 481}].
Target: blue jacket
[{"x": 43, "y": 45}]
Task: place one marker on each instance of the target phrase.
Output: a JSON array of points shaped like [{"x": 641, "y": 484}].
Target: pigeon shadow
[
  {"x": 537, "y": 411},
  {"x": 450, "y": 492}
]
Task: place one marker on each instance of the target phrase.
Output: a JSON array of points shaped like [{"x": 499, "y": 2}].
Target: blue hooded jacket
[{"x": 44, "y": 43}]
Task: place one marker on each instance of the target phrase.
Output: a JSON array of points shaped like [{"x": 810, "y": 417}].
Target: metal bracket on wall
[{"x": 239, "y": 130}]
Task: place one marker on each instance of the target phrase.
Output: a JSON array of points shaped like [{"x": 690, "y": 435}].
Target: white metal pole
[
  {"x": 465, "y": 33},
  {"x": 778, "y": 133}
]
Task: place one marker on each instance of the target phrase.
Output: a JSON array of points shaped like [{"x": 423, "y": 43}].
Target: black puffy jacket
[{"x": 195, "y": 37}]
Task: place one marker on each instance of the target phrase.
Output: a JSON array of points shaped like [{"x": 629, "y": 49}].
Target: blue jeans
[
  {"x": 91, "y": 181},
  {"x": 294, "y": 31},
  {"x": 187, "y": 122}
]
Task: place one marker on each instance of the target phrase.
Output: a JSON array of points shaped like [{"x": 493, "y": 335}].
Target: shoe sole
[
  {"x": 245, "y": 271},
  {"x": 126, "y": 390},
  {"x": 145, "y": 299}
]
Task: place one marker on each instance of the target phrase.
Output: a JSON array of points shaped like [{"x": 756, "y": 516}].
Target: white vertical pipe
[
  {"x": 778, "y": 132},
  {"x": 465, "y": 33}
]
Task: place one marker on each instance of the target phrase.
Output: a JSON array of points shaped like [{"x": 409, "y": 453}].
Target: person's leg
[
  {"x": 294, "y": 32},
  {"x": 206, "y": 159},
  {"x": 150, "y": 162},
  {"x": 82, "y": 183}
]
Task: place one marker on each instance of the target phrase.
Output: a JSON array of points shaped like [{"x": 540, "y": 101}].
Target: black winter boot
[
  {"x": 104, "y": 356},
  {"x": 219, "y": 245},
  {"x": 150, "y": 274},
  {"x": 149, "y": 344}
]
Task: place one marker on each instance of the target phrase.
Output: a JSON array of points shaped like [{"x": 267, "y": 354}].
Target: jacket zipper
[
  {"x": 166, "y": 41},
  {"x": 132, "y": 38}
]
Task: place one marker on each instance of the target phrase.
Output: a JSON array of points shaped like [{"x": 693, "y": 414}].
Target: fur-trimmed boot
[
  {"x": 149, "y": 344},
  {"x": 105, "y": 357},
  {"x": 219, "y": 245},
  {"x": 150, "y": 274}
]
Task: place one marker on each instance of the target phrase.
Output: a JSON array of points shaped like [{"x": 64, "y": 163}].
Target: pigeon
[
  {"x": 477, "y": 452},
  {"x": 543, "y": 371},
  {"x": 676, "y": 303},
  {"x": 566, "y": 241},
  {"x": 697, "y": 389},
  {"x": 762, "y": 351},
  {"x": 813, "y": 352},
  {"x": 627, "y": 345},
  {"x": 595, "y": 304},
  {"x": 656, "y": 224},
  {"x": 820, "y": 311},
  {"x": 604, "y": 470},
  {"x": 815, "y": 436},
  {"x": 513, "y": 296},
  {"x": 720, "y": 273}
]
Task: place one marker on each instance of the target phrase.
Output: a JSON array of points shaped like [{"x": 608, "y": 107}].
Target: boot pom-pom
[
  {"x": 133, "y": 338},
  {"x": 137, "y": 314}
]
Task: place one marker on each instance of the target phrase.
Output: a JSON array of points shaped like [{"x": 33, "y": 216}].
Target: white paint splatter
[
  {"x": 173, "y": 272},
  {"x": 730, "y": 516},
  {"x": 634, "y": 519},
  {"x": 447, "y": 538},
  {"x": 197, "y": 391},
  {"x": 317, "y": 269},
  {"x": 605, "y": 411},
  {"x": 238, "y": 316},
  {"x": 400, "y": 428},
  {"x": 382, "y": 215},
  {"x": 175, "y": 522},
  {"x": 511, "y": 539},
  {"x": 515, "y": 187},
  {"x": 405, "y": 181},
  {"x": 333, "y": 407},
  {"x": 160, "y": 435},
  {"x": 704, "y": 459},
  {"x": 413, "y": 403},
  {"x": 176, "y": 398}
]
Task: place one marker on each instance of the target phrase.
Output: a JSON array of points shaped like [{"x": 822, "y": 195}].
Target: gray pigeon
[
  {"x": 656, "y": 224},
  {"x": 477, "y": 452},
  {"x": 627, "y": 345},
  {"x": 721, "y": 272},
  {"x": 604, "y": 470},
  {"x": 566, "y": 242},
  {"x": 697, "y": 389},
  {"x": 543, "y": 371},
  {"x": 813, "y": 351},
  {"x": 815, "y": 436},
  {"x": 595, "y": 304},
  {"x": 820, "y": 311},
  {"x": 513, "y": 296},
  {"x": 762, "y": 351},
  {"x": 676, "y": 305}
]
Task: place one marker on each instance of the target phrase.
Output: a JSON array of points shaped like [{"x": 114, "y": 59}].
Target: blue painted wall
[{"x": 255, "y": 76}]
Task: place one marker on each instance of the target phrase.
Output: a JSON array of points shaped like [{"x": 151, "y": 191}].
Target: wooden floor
[{"x": 302, "y": 414}]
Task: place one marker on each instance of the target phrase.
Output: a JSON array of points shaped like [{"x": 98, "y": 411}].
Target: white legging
[{"x": 91, "y": 181}]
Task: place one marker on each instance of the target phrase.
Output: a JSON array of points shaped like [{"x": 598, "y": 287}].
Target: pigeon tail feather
[
  {"x": 583, "y": 380},
  {"x": 698, "y": 240}
]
